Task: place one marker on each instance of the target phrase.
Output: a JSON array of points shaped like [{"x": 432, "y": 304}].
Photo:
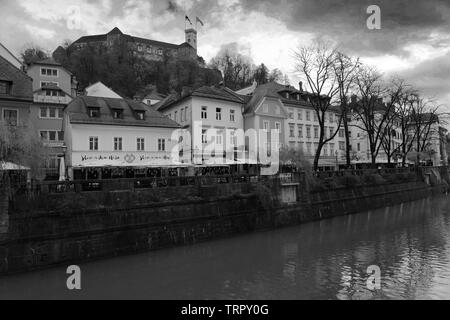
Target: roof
[
  {"x": 274, "y": 90},
  {"x": 116, "y": 31},
  {"x": 22, "y": 84},
  {"x": 216, "y": 93},
  {"x": 77, "y": 111},
  {"x": 48, "y": 62},
  {"x": 16, "y": 62}
]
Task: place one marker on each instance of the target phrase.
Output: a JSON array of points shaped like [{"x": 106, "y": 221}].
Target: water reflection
[{"x": 322, "y": 260}]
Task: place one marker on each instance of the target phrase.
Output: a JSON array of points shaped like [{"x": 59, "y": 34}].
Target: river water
[{"x": 410, "y": 243}]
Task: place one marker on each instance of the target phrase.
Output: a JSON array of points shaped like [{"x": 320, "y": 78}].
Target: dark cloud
[
  {"x": 403, "y": 21},
  {"x": 433, "y": 78}
]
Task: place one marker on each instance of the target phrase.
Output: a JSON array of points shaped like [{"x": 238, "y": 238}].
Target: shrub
[
  {"x": 373, "y": 179},
  {"x": 349, "y": 181}
]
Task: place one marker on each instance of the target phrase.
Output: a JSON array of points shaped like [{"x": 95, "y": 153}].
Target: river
[{"x": 410, "y": 243}]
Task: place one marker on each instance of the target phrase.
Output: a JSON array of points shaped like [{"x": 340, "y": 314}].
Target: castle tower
[{"x": 191, "y": 37}]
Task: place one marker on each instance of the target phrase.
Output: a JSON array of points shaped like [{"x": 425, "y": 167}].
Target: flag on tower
[
  {"x": 201, "y": 22},
  {"x": 187, "y": 19}
]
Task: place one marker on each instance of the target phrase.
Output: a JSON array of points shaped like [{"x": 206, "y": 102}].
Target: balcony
[{"x": 50, "y": 99}]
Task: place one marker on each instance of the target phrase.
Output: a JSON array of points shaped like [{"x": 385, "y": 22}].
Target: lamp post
[{"x": 337, "y": 162}]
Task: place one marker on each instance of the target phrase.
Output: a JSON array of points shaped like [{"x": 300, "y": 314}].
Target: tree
[
  {"x": 19, "y": 145},
  {"x": 346, "y": 70},
  {"x": 276, "y": 75},
  {"x": 261, "y": 75},
  {"x": 33, "y": 54},
  {"x": 316, "y": 65},
  {"x": 373, "y": 115}
]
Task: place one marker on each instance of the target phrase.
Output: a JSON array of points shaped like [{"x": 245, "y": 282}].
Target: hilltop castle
[{"x": 149, "y": 49}]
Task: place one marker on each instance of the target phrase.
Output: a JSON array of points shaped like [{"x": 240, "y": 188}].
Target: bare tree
[
  {"x": 346, "y": 70},
  {"x": 316, "y": 65},
  {"x": 373, "y": 116}
]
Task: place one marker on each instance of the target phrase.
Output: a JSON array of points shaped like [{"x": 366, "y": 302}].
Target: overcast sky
[{"x": 414, "y": 40}]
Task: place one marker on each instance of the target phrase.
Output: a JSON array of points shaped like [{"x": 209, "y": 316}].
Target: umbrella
[{"x": 62, "y": 170}]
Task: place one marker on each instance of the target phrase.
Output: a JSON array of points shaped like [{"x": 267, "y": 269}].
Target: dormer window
[
  {"x": 117, "y": 114},
  {"x": 5, "y": 87},
  {"x": 287, "y": 95},
  {"x": 140, "y": 115},
  {"x": 298, "y": 97},
  {"x": 94, "y": 112}
]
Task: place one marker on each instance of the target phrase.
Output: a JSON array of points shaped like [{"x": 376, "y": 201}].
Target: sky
[{"x": 413, "y": 41}]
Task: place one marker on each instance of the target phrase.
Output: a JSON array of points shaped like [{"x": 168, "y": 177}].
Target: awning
[{"x": 9, "y": 166}]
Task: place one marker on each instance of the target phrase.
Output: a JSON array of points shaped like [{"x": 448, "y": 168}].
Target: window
[
  {"x": 325, "y": 149},
  {"x": 60, "y": 113},
  {"x": 52, "y": 112},
  {"x": 331, "y": 117},
  {"x": 291, "y": 114},
  {"x": 316, "y": 132},
  {"x": 141, "y": 115},
  {"x": 140, "y": 144},
  {"x": 139, "y": 48},
  {"x": 161, "y": 144},
  {"x": 118, "y": 144},
  {"x": 176, "y": 116},
  {"x": 342, "y": 145},
  {"x": 308, "y": 115},
  {"x": 52, "y": 136},
  {"x": 149, "y": 50},
  {"x": 325, "y": 129},
  {"x": 5, "y": 87},
  {"x": 331, "y": 131},
  {"x": 204, "y": 136},
  {"x": 308, "y": 132},
  {"x": 266, "y": 126},
  {"x": 278, "y": 126},
  {"x": 341, "y": 133},
  {"x": 232, "y": 119},
  {"x": 11, "y": 117},
  {"x": 60, "y": 135},
  {"x": 204, "y": 112},
  {"x": 300, "y": 131},
  {"x": 43, "y": 112},
  {"x": 49, "y": 72},
  {"x": 291, "y": 130},
  {"x": 182, "y": 115},
  {"x": 308, "y": 148},
  {"x": 44, "y": 135},
  {"x": 186, "y": 114},
  {"x": 331, "y": 149},
  {"x": 218, "y": 114},
  {"x": 94, "y": 112},
  {"x": 315, "y": 117},
  {"x": 300, "y": 115},
  {"x": 93, "y": 143},
  {"x": 359, "y": 147},
  {"x": 117, "y": 114},
  {"x": 219, "y": 140}
]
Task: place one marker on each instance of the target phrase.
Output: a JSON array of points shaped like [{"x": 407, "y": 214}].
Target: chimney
[{"x": 300, "y": 86}]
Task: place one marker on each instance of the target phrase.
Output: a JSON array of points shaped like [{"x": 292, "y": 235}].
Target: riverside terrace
[{"x": 314, "y": 182}]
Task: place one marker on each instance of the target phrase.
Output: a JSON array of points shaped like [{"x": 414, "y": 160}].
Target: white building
[
  {"x": 112, "y": 135},
  {"x": 215, "y": 110},
  {"x": 98, "y": 89}
]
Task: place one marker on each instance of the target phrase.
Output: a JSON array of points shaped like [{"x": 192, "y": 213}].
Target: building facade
[
  {"x": 274, "y": 106},
  {"x": 53, "y": 89},
  {"x": 16, "y": 95},
  {"x": 210, "y": 118},
  {"x": 149, "y": 49},
  {"x": 107, "y": 137}
]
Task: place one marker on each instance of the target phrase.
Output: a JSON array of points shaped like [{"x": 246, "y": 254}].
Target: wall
[
  {"x": 62, "y": 228},
  {"x": 64, "y": 79}
]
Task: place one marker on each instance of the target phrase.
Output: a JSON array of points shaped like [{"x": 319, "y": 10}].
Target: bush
[
  {"x": 349, "y": 181},
  {"x": 373, "y": 179}
]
